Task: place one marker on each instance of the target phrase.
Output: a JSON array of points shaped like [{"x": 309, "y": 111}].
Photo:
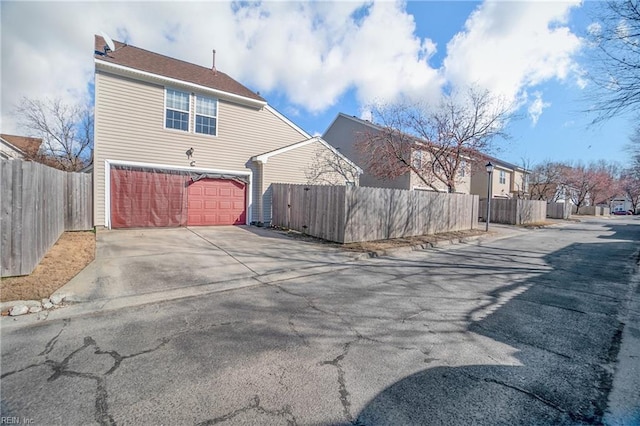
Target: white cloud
[
  {"x": 312, "y": 53},
  {"x": 366, "y": 114},
  {"x": 317, "y": 51},
  {"x": 507, "y": 47},
  {"x": 536, "y": 107},
  {"x": 594, "y": 29}
]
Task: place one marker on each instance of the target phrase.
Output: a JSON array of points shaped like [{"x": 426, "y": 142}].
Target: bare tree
[
  {"x": 66, "y": 131},
  {"x": 607, "y": 176},
  {"x": 436, "y": 144},
  {"x": 630, "y": 177},
  {"x": 634, "y": 149},
  {"x": 630, "y": 186},
  {"x": 545, "y": 179},
  {"x": 593, "y": 184},
  {"x": 616, "y": 58},
  {"x": 578, "y": 184},
  {"x": 328, "y": 167},
  {"x": 521, "y": 181}
]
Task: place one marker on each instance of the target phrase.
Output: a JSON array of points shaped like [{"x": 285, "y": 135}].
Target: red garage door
[
  {"x": 142, "y": 199},
  {"x": 216, "y": 202}
]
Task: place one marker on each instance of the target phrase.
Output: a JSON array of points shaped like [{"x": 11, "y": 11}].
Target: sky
[{"x": 313, "y": 60}]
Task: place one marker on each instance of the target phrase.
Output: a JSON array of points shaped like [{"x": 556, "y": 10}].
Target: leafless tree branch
[
  {"x": 66, "y": 131},
  {"x": 615, "y": 58},
  {"x": 435, "y": 144}
]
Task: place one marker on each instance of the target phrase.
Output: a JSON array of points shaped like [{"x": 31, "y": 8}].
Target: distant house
[
  {"x": 19, "y": 147},
  {"x": 178, "y": 144},
  {"x": 622, "y": 203},
  {"x": 346, "y": 130},
  {"x": 507, "y": 180}
]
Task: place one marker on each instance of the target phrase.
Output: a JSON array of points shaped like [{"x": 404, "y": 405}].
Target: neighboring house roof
[
  {"x": 133, "y": 57},
  {"x": 504, "y": 164},
  {"x": 263, "y": 158},
  {"x": 27, "y": 145},
  {"x": 355, "y": 119}
]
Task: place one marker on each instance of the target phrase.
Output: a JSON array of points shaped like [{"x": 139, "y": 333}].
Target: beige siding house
[
  {"x": 346, "y": 130},
  {"x": 179, "y": 144},
  {"x": 507, "y": 180}
]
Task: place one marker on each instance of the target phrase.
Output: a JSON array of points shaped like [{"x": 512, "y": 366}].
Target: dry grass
[
  {"x": 382, "y": 245},
  {"x": 69, "y": 255},
  {"x": 537, "y": 224},
  {"x": 411, "y": 241}
]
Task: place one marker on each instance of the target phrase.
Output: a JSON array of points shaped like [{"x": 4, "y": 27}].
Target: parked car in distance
[{"x": 622, "y": 212}]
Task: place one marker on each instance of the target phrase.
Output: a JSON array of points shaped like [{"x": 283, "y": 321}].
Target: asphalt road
[{"x": 524, "y": 330}]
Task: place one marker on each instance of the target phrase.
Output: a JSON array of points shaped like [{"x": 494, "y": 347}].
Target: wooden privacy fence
[
  {"x": 559, "y": 210},
  {"x": 347, "y": 214},
  {"x": 37, "y": 204},
  {"x": 514, "y": 211},
  {"x": 592, "y": 210}
]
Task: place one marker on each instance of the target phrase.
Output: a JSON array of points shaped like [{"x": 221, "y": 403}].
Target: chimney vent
[{"x": 213, "y": 68}]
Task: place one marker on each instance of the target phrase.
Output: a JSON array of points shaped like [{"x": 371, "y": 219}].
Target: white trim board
[{"x": 145, "y": 75}]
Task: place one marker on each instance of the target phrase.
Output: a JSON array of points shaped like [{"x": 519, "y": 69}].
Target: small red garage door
[
  {"x": 142, "y": 199},
  {"x": 216, "y": 202}
]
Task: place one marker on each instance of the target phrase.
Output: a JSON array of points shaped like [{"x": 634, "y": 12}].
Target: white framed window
[
  {"x": 206, "y": 116},
  {"x": 462, "y": 171},
  {"x": 503, "y": 177},
  {"x": 417, "y": 159},
  {"x": 176, "y": 110}
]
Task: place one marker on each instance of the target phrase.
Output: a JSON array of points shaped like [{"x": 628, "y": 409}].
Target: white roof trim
[
  {"x": 263, "y": 158},
  {"x": 12, "y": 146},
  {"x": 286, "y": 120},
  {"x": 179, "y": 168},
  {"x": 168, "y": 80},
  {"x": 359, "y": 121}
]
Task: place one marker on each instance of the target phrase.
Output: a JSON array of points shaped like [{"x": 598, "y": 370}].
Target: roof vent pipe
[{"x": 213, "y": 68}]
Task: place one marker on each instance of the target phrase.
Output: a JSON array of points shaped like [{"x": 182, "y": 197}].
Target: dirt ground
[
  {"x": 68, "y": 256},
  {"x": 381, "y": 245},
  {"x": 374, "y": 246}
]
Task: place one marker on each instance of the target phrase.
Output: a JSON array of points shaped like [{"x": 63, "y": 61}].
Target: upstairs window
[
  {"x": 206, "y": 115},
  {"x": 462, "y": 171},
  {"x": 417, "y": 159},
  {"x": 177, "y": 110},
  {"x": 503, "y": 177}
]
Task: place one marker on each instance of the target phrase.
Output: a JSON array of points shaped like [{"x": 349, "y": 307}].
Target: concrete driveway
[{"x": 154, "y": 264}]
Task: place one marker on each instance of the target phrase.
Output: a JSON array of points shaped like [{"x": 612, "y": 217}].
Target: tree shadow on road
[{"x": 564, "y": 329}]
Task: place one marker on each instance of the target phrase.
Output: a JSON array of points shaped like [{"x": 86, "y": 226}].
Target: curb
[{"x": 474, "y": 239}]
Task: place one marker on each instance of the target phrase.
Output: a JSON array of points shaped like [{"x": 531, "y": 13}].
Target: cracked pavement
[{"x": 524, "y": 330}]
